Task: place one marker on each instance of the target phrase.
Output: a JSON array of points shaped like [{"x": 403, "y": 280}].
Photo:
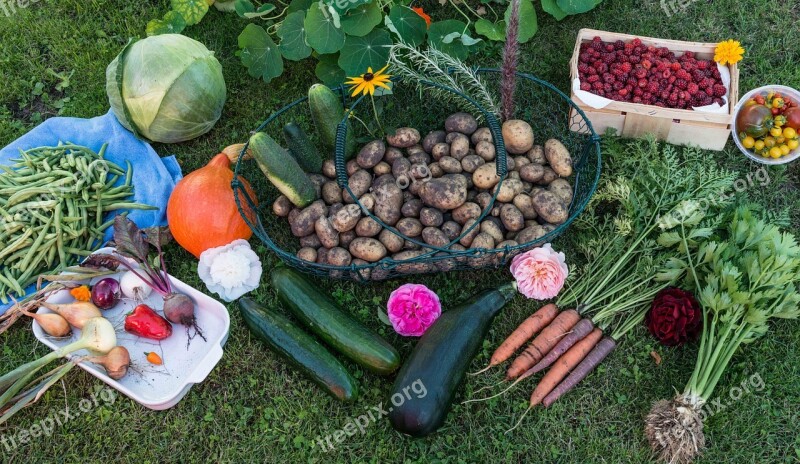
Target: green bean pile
[{"x": 52, "y": 203}]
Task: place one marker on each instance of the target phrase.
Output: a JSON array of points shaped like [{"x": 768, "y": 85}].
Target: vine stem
[{"x": 375, "y": 112}]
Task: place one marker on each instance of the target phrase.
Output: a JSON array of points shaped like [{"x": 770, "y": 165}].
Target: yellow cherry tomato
[
  {"x": 780, "y": 140},
  {"x": 769, "y": 142},
  {"x": 775, "y": 131},
  {"x": 775, "y": 152},
  {"x": 789, "y": 133},
  {"x": 759, "y": 145},
  {"x": 793, "y": 144},
  {"x": 778, "y": 102},
  {"x": 748, "y": 142},
  {"x": 785, "y": 149}
]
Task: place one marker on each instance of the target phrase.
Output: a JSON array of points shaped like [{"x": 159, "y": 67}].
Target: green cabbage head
[{"x": 166, "y": 88}]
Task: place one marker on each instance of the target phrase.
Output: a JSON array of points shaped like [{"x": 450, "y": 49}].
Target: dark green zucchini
[
  {"x": 301, "y": 148},
  {"x": 338, "y": 329},
  {"x": 300, "y": 349},
  {"x": 439, "y": 363}
]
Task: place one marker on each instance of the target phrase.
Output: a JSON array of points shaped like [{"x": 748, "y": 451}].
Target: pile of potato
[{"x": 431, "y": 189}]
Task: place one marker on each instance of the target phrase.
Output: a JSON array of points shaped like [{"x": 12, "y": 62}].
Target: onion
[
  {"x": 77, "y": 314},
  {"x": 106, "y": 293},
  {"x": 52, "y": 324},
  {"x": 115, "y": 362},
  {"x": 134, "y": 287}
]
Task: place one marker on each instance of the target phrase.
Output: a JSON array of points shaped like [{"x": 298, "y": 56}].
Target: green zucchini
[
  {"x": 327, "y": 112},
  {"x": 335, "y": 327},
  {"x": 282, "y": 170},
  {"x": 300, "y": 349},
  {"x": 301, "y": 148},
  {"x": 426, "y": 384}
]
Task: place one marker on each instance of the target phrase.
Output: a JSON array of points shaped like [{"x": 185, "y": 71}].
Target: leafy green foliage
[
  {"x": 321, "y": 31},
  {"x": 172, "y": 23},
  {"x": 360, "y": 53},
  {"x": 191, "y": 10},
  {"x": 259, "y": 53},
  {"x": 407, "y": 24},
  {"x": 328, "y": 70},
  {"x": 551, "y": 6},
  {"x": 445, "y": 36},
  {"x": 492, "y": 31},
  {"x": 293, "y": 37},
  {"x": 572, "y": 7},
  {"x": 360, "y": 21}
]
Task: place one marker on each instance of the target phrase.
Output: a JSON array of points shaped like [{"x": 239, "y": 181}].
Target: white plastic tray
[{"x": 157, "y": 387}]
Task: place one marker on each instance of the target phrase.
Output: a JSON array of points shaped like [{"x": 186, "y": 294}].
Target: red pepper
[{"x": 146, "y": 323}]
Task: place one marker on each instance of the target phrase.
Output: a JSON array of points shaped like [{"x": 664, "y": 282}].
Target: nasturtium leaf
[
  {"x": 259, "y": 53},
  {"x": 298, "y": 5},
  {"x": 439, "y": 31},
  {"x": 244, "y": 7},
  {"x": 572, "y": 7},
  {"x": 467, "y": 40},
  {"x": 407, "y": 24},
  {"x": 360, "y": 21},
  {"x": 321, "y": 32},
  {"x": 328, "y": 70},
  {"x": 263, "y": 10},
  {"x": 343, "y": 6},
  {"x": 527, "y": 20},
  {"x": 191, "y": 10},
  {"x": 360, "y": 53},
  {"x": 172, "y": 23},
  {"x": 490, "y": 30},
  {"x": 550, "y": 6},
  {"x": 293, "y": 37}
]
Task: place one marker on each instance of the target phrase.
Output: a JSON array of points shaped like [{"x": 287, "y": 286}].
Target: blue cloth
[{"x": 153, "y": 177}]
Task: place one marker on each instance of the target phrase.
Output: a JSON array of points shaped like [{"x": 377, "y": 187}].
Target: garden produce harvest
[
  {"x": 335, "y": 327},
  {"x": 106, "y": 293},
  {"x": 202, "y": 211},
  {"x": 429, "y": 189},
  {"x": 767, "y": 125},
  {"x": 300, "y": 349},
  {"x": 144, "y": 322},
  {"x": 167, "y": 88},
  {"x": 745, "y": 273},
  {"x": 116, "y": 362},
  {"x": 440, "y": 360},
  {"x": 633, "y": 72},
  {"x": 52, "y": 204}
]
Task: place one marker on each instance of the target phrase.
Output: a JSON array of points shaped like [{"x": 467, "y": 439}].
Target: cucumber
[
  {"x": 327, "y": 112},
  {"x": 301, "y": 148},
  {"x": 282, "y": 170},
  {"x": 300, "y": 349},
  {"x": 335, "y": 327},
  {"x": 426, "y": 384}
]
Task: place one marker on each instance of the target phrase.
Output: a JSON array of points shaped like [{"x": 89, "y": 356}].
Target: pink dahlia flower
[
  {"x": 540, "y": 273},
  {"x": 412, "y": 308}
]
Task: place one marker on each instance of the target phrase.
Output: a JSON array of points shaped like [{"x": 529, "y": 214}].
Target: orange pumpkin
[{"x": 202, "y": 211}]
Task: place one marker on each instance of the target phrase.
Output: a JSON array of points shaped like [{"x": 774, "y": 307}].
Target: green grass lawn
[{"x": 253, "y": 408}]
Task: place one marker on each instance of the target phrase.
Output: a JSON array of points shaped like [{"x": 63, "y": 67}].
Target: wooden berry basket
[{"x": 677, "y": 126}]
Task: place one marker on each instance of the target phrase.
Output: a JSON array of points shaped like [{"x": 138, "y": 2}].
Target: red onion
[{"x": 106, "y": 293}]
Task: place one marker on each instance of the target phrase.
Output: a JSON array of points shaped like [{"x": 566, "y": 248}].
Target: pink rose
[
  {"x": 412, "y": 308},
  {"x": 540, "y": 272}
]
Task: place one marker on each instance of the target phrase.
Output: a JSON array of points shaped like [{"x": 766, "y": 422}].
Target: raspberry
[
  {"x": 638, "y": 92},
  {"x": 683, "y": 74},
  {"x": 646, "y": 64},
  {"x": 665, "y": 95},
  {"x": 597, "y": 85},
  {"x": 698, "y": 76},
  {"x": 640, "y": 73},
  {"x": 584, "y": 46},
  {"x": 601, "y": 68},
  {"x": 636, "y": 42},
  {"x": 636, "y": 100},
  {"x": 586, "y": 86},
  {"x": 719, "y": 101},
  {"x": 626, "y": 67},
  {"x": 619, "y": 45},
  {"x": 666, "y": 74},
  {"x": 609, "y": 78},
  {"x": 715, "y": 73},
  {"x": 591, "y": 71},
  {"x": 693, "y": 89},
  {"x": 642, "y": 83},
  {"x": 632, "y": 81},
  {"x": 609, "y": 58},
  {"x": 629, "y": 48},
  {"x": 688, "y": 55},
  {"x": 707, "y": 101},
  {"x": 584, "y": 58},
  {"x": 647, "y": 96},
  {"x": 609, "y": 47},
  {"x": 634, "y": 59},
  {"x": 618, "y": 85},
  {"x": 583, "y": 68},
  {"x": 593, "y": 78},
  {"x": 663, "y": 51},
  {"x": 703, "y": 65},
  {"x": 681, "y": 84},
  {"x": 619, "y": 73},
  {"x": 607, "y": 87},
  {"x": 720, "y": 90},
  {"x": 598, "y": 45},
  {"x": 623, "y": 92},
  {"x": 652, "y": 87},
  {"x": 660, "y": 104}
]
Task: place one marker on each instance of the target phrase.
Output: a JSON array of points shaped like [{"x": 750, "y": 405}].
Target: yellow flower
[
  {"x": 81, "y": 293},
  {"x": 728, "y": 52},
  {"x": 366, "y": 83}
]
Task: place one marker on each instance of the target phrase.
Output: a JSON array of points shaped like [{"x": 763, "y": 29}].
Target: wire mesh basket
[{"x": 549, "y": 111}]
